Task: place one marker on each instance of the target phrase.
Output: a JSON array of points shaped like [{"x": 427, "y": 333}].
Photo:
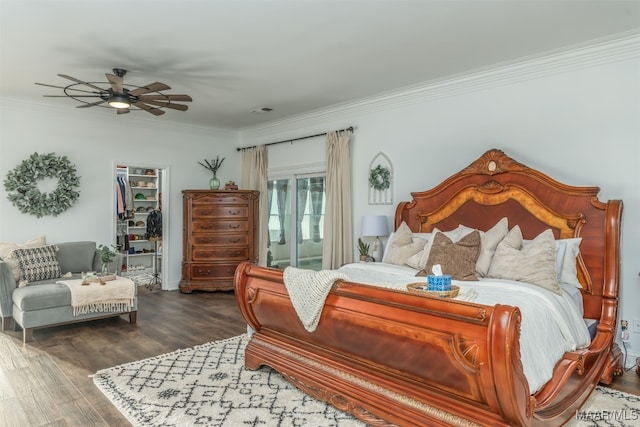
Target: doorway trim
[{"x": 164, "y": 186}]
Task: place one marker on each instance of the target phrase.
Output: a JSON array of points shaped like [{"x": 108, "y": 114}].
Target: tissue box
[{"x": 439, "y": 283}]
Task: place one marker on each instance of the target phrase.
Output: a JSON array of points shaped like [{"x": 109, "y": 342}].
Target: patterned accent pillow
[{"x": 38, "y": 263}]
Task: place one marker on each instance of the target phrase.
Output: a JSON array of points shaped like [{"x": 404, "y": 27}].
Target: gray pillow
[
  {"x": 489, "y": 241},
  {"x": 534, "y": 263}
]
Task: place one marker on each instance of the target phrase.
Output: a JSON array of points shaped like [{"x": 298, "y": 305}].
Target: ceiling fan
[{"x": 123, "y": 97}]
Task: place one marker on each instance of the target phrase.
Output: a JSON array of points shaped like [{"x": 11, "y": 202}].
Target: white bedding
[{"x": 551, "y": 324}]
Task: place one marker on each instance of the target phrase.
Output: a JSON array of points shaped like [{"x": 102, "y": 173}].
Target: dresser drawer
[
  {"x": 210, "y": 253},
  {"x": 219, "y": 211},
  {"x": 198, "y": 239},
  {"x": 209, "y": 271},
  {"x": 214, "y": 226},
  {"x": 220, "y": 199}
]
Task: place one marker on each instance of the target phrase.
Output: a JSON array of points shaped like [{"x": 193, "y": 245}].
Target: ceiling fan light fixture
[{"x": 119, "y": 101}]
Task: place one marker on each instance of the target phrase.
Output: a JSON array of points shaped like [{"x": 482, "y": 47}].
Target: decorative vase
[
  {"x": 105, "y": 269},
  {"x": 214, "y": 183}
]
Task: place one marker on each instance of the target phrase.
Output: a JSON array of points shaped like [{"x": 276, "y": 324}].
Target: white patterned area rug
[{"x": 208, "y": 386}]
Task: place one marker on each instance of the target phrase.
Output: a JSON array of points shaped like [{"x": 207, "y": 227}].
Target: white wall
[
  {"x": 575, "y": 120},
  {"x": 95, "y": 140}
]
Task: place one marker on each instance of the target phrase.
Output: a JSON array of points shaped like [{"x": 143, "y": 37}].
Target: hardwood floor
[{"x": 47, "y": 382}]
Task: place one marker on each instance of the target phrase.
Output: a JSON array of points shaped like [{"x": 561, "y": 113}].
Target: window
[{"x": 296, "y": 208}]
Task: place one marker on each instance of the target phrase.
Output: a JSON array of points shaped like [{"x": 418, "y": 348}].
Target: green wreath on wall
[
  {"x": 22, "y": 185},
  {"x": 380, "y": 178}
]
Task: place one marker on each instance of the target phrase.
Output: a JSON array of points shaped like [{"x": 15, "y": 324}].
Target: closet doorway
[{"x": 140, "y": 223}]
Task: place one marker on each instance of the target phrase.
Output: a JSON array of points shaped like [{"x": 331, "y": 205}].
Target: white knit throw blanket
[
  {"x": 308, "y": 290},
  {"x": 112, "y": 297}
]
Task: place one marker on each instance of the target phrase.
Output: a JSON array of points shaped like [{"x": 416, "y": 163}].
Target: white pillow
[
  {"x": 569, "y": 273},
  {"x": 419, "y": 260},
  {"x": 533, "y": 263},
  {"x": 12, "y": 263},
  {"x": 401, "y": 237},
  {"x": 400, "y": 254},
  {"x": 489, "y": 241}
]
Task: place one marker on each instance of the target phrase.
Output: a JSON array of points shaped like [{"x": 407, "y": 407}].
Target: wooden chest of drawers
[{"x": 219, "y": 233}]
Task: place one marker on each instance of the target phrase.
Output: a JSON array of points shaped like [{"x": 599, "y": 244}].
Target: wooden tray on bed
[{"x": 415, "y": 288}]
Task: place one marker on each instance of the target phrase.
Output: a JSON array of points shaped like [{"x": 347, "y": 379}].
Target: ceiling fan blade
[
  {"x": 116, "y": 82},
  {"x": 167, "y": 105},
  {"x": 73, "y": 79},
  {"x": 154, "y": 111},
  {"x": 92, "y": 104},
  {"x": 168, "y": 97},
  {"x": 63, "y": 87},
  {"x": 73, "y": 96},
  {"x": 152, "y": 87},
  {"x": 122, "y": 110}
]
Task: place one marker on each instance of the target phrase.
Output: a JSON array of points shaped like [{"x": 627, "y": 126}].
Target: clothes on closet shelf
[{"x": 124, "y": 199}]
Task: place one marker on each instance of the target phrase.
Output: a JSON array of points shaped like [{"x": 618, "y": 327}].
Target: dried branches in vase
[{"x": 213, "y": 165}]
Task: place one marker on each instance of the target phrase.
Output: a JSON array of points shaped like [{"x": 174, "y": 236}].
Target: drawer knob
[
  {"x": 234, "y": 212},
  {"x": 234, "y": 240},
  {"x": 234, "y": 226}
]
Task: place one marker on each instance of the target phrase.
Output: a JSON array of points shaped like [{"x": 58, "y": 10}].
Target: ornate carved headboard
[{"x": 497, "y": 186}]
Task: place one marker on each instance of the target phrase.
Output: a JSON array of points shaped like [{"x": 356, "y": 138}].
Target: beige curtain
[
  {"x": 337, "y": 247},
  {"x": 253, "y": 166}
]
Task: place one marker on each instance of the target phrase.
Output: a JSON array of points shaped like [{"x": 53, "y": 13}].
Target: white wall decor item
[{"x": 380, "y": 180}]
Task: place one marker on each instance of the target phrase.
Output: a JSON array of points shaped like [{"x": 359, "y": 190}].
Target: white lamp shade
[{"x": 375, "y": 225}]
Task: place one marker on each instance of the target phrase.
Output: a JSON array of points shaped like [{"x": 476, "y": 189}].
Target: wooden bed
[{"x": 394, "y": 358}]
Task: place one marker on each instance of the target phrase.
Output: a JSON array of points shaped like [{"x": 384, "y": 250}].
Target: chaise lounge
[{"x": 45, "y": 303}]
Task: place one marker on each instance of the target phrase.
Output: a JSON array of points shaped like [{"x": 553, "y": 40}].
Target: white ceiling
[{"x": 233, "y": 56}]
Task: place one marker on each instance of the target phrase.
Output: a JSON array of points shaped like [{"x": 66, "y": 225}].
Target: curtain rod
[{"x": 350, "y": 128}]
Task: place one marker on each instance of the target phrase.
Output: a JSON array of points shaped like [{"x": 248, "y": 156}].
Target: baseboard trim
[{"x": 631, "y": 357}]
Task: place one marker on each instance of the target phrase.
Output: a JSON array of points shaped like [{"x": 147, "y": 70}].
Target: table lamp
[{"x": 375, "y": 225}]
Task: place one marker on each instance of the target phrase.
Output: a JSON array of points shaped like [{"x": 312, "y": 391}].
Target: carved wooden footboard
[
  {"x": 390, "y": 355},
  {"x": 394, "y": 358}
]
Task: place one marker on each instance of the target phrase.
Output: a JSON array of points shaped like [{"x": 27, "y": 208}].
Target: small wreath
[
  {"x": 380, "y": 178},
  {"x": 22, "y": 187}
]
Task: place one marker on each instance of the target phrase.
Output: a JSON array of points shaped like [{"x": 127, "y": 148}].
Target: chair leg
[
  {"x": 6, "y": 323},
  {"x": 133, "y": 317},
  {"x": 27, "y": 334}
]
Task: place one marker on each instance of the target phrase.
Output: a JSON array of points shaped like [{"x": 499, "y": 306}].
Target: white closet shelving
[{"x": 139, "y": 252}]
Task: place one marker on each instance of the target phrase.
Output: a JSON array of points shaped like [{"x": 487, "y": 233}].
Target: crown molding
[
  {"x": 624, "y": 47},
  {"x": 140, "y": 120}
]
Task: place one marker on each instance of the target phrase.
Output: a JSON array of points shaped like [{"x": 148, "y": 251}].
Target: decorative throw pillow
[
  {"x": 569, "y": 272},
  {"x": 12, "y": 263},
  {"x": 419, "y": 260},
  {"x": 401, "y": 237},
  {"x": 400, "y": 254},
  {"x": 456, "y": 258},
  {"x": 38, "y": 263},
  {"x": 489, "y": 241},
  {"x": 533, "y": 263}
]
